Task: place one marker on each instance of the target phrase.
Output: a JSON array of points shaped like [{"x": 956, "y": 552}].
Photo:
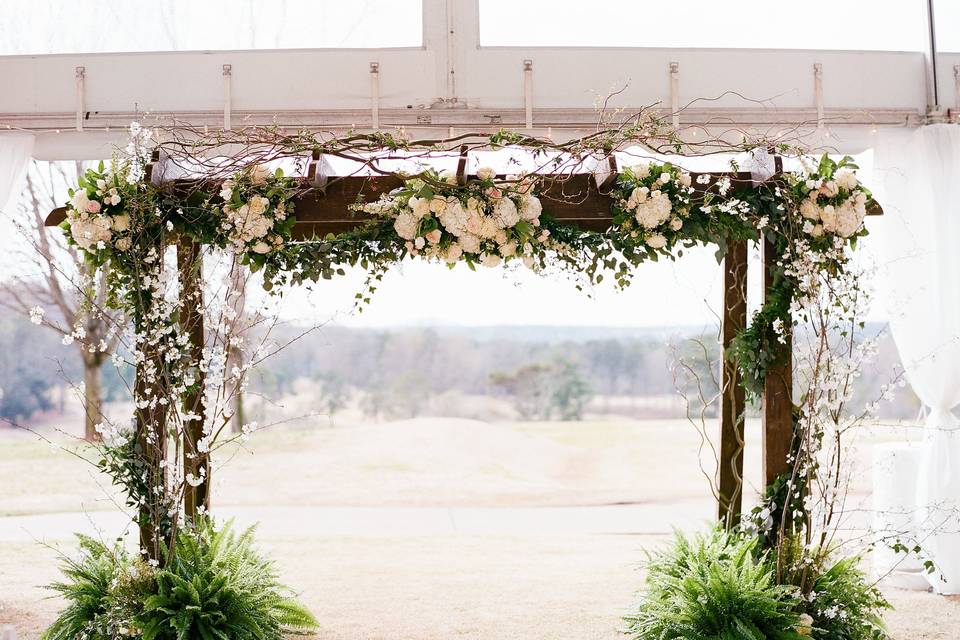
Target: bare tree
[{"x": 51, "y": 275}]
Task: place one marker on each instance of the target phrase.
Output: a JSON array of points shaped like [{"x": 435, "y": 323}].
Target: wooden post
[
  {"x": 732, "y": 400},
  {"x": 777, "y": 392},
  {"x": 151, "y": 447},
  {"x": 196, "y": 463}
]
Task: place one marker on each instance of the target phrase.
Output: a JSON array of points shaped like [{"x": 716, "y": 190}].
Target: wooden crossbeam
[{"x": 579, "y": 199}]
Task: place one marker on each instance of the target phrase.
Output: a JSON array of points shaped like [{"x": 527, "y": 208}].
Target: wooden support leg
[
  {"x": 196, "y": 463},
  {"x": 777, "y": 395},
  {"x": 732, "y": 400},
  {"x": 151, "y": 448}
]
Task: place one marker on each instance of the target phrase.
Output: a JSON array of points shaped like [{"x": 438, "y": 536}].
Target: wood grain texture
[{"x": 732, "y": 399}]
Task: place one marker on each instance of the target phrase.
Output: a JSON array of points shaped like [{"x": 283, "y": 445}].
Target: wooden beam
[
  {"x": 579, "y": 199},
  {"x": 777, "y": 392},
  {"x": 732, "y": 399},
  {"x": 195, "y": 462}
]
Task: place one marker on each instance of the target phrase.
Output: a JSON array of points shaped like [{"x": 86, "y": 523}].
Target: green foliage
[
  {"x": 713, "y": 587},
  {"x": 836, "y": 595},
  {"x": 541, "y": 391},
  {"x": 218, "y": 586},
  {"x": 215, "y": 586},
  {"x": 845, "y": 606},
  {"x": 122, "y": 459},
  {"x": 103, "y": 589}
]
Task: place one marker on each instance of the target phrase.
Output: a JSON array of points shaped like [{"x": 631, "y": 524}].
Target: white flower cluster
[
  {"x": 486, "y": 222},
  {"x": 250, "y": 225},
  {"x": 98, "y": 222},
  {"x": 837, "y": 205},
  {"x": 658, "y": 199}
]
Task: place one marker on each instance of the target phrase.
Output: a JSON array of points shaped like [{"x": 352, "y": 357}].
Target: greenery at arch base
[{"x": 119, "y": 221}]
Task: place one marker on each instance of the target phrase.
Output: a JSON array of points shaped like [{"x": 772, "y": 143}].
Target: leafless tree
[{"x": 53, "y": 276}]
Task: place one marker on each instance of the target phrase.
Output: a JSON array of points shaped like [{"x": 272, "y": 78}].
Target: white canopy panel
[{"x": 453, "y": 84}]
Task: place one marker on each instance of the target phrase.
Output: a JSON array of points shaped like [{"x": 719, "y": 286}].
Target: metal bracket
[
  {"x": 375, "y": 95},
  {"x": 319, "y": 171},
  {"x": 528, "y": 92},
  {"x": 227, "y": 96},
  {"x": 462, "y": 165},
  {"x": 675, "y": 93},
  {"x": 818, "y": 92},
  {"x": 605, "y": 172},
  {"x": 81, "y": 77}
]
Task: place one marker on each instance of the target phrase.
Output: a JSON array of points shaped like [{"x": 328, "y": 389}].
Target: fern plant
[
  {"x": 217, "y": 586},
  {"x": 845, "y": 606},
  {"x": 104, "y": 589},
  {"x": 713, "y": 587}
]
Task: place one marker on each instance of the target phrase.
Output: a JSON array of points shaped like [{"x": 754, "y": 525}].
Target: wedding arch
[{"x": 579, "y": 208}]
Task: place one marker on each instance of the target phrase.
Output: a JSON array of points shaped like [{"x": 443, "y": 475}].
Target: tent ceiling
[{"x": 453, "y": 83}]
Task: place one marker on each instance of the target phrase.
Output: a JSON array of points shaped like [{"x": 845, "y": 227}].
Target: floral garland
[
  {"x": 651, "y": 202},
  {"x": 98, "y": 220},
  {"x": 485, "y": 221},
  {"x": 832, "y": 200},
  {"x": 255, "y": 212}
]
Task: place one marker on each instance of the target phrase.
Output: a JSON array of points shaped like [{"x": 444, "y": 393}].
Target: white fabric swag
[
  {"x": 16, "y": 150},
  {"x": 919, "y": 179}
]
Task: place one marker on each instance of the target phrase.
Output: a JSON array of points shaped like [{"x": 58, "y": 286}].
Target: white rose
[
  {"x": 506, "y": 212},
  {"x": 809, "y": 209},
  {"x": 846, "y": 179},
  {"x": 639, "y": 194},
  {"x": 656, "y": 241},
  {"x": 434, "y": 236},
  {"x": 664, "y": 178},
  {"x": 641, "y": 170},
  {"x": 490, "y": 260},
  {"x": 685, "y": 179},
  {"x": 438, "y": 205},
  {"x": 420, "y": 242},
  {"x": 829, "y": 189},
  {"x": 676, "y": 224},
  {"x": 848, "y": 220},
  {"x": 259, "y": 174},
  {"x": 80, "y": 200},
  {"x": 454, "y": 253},
  {"x": 114, "y": 199},
  {"x": 508, "y": 249},
  {"x": 470, "y": 243},
  {"x": 261, "y": 247},
  {"x": 406, "y": 225},
  {"x": 828, "y": 216},
  {"x": 530, "y": 207},
  {"x": 420, "y": 207},
  {"x": 449, "y": 177},
  {"x": 486, "y": 173},
  {"x": 258, "y": 205}
]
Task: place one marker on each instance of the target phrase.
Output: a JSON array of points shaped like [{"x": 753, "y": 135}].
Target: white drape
[
  {"x": 919, "y": 180},
  {"x": 15, "y": 152}
]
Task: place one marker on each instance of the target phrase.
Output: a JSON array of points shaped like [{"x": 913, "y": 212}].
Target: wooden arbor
[{"x": 579, "y": 199}]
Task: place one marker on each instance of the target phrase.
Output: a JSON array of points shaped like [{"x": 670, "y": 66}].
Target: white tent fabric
[
  {"x": 16, "y": 149},
  {"x": 920, "y": 191}
]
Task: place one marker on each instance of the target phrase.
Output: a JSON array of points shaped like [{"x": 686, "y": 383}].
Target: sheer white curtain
[
  {"x": 919, "y": 189},
  {"x": 15, "y": 152}
]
